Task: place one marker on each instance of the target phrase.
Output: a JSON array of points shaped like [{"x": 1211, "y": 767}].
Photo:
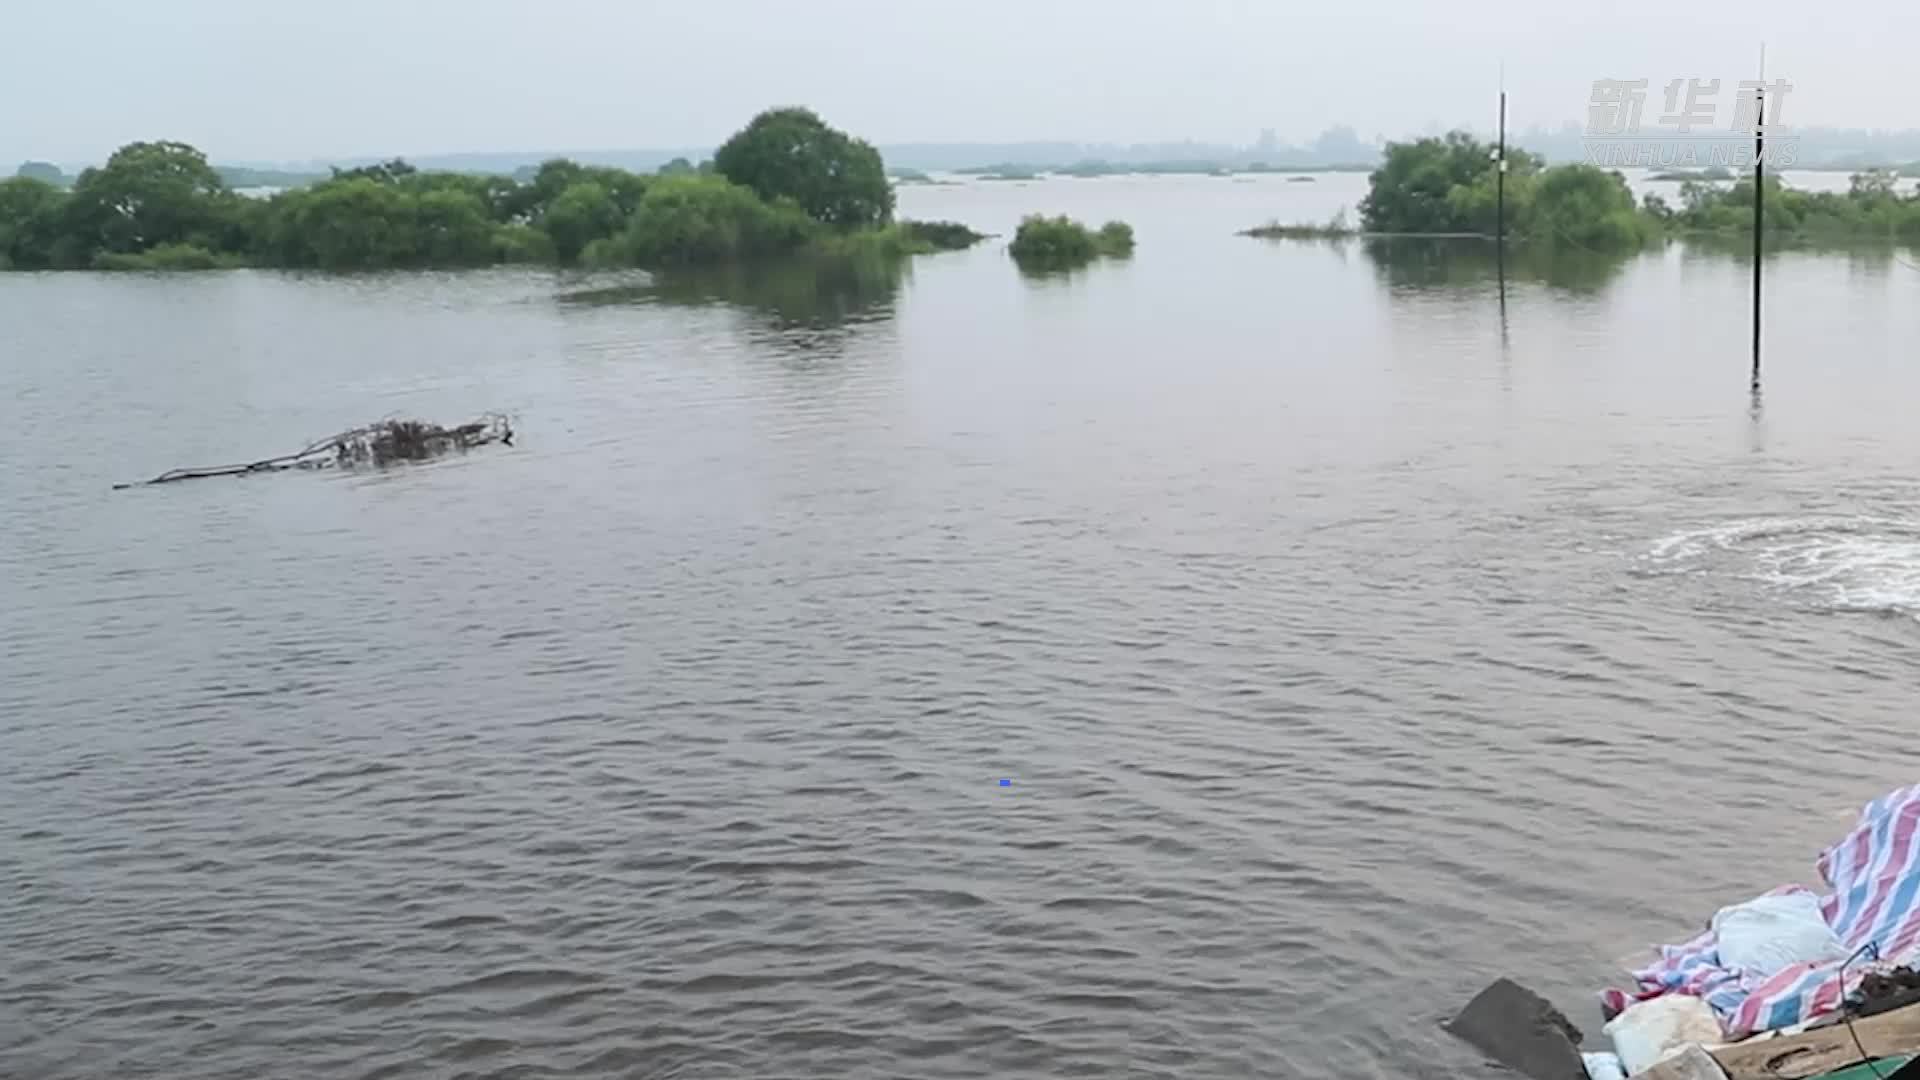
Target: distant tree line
[
  {"x": 1871, "y": 209},
  {"x": 784, "y": 184}
]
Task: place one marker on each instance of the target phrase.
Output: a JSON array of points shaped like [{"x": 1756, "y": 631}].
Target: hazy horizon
[{"x": 357, "y": 79}]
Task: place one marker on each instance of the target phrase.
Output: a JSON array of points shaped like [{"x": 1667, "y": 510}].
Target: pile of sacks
[
  {"x": 1757, "y": 940},
  {"x": 1786, "y": 965}
]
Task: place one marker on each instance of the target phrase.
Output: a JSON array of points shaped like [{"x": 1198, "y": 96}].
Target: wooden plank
[{"x": 1823, "y": 1050}]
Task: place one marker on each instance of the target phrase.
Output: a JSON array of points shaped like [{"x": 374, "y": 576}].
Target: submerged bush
[
  {"x": 1064, "y": 241},
  {"x": 1588, "y": 207},
  {"x": 1115, "y": 238},
  {"x": 1055, "y": 239},
  {"x": 941, "y": 235},
  {"x": 1336, "y": 227},
  {"x": 890, "y": 242}
]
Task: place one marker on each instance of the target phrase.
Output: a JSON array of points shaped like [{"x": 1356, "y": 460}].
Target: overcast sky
[{"x": 265, "y": 80}]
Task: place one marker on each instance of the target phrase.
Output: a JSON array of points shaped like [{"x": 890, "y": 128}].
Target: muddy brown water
[{"x": 1344, "y": 647}]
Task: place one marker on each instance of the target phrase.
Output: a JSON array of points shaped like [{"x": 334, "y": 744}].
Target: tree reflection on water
[
  {"x": 1419, "y": 263},
  {"x": 789, "y": 296}
]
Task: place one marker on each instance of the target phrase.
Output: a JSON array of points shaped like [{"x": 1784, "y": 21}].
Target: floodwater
[{"x": 1215, "y": 664}]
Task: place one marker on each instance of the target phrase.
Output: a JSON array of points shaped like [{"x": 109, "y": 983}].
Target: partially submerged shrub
[
  {"x": 1334, "y": 228},
  {"x": 1064, "y": 241},
  {"x": 942, "y": 235},
  {"x": 1115, "y": 238},
  {"x": 1055, "y": 239}
]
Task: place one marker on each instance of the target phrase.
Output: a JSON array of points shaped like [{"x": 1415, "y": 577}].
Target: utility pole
[
  {"x": 1759, "y": 200},
  {"x": 1500, "y": 202},
  {"x": 1500, "y": 175}
]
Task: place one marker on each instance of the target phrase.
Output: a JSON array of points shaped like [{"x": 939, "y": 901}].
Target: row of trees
[
  {"x": 784, "y": 183},
  {"x": 1871, "y": 209},
  {"x": 1440, "y": 185}
]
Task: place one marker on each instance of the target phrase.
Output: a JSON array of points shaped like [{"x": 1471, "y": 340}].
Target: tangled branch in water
[{"x": 374, "y": 445}]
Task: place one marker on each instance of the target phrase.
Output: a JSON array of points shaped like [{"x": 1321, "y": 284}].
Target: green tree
[
  {"x": 30, "y": 222},
  {"x": 1587, "y": 206},
  {"x": 626, "y": 189},
  {"x": 1115, "y": 238},
  {"x": 516, "y": 242},
  {"x": 793, "y": 154},
  {"x": 706, "y": 219},
  {"x": 453, "y": 229},
  {"x": 346, "y": 224},
  {"x": 1439, "y": 185},
  {"x": 498, "y": 193},
  {"x": 583, "y": 213},
  {"x": 531, "y": 202},
  {"x": 552, "y": 178},
  {"x": 147, "y": 194}
]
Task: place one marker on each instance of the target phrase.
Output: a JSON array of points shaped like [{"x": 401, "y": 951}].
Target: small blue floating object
[{"x": 1006, "y": 783}]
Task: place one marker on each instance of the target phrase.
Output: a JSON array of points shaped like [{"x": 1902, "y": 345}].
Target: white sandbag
[
  {"x": 1658, "y": 1028},
  {"x": 1692, "y": 1063},
  {"x": 1767, "y": 934},
  {"x": 1604, "y": 1067}
]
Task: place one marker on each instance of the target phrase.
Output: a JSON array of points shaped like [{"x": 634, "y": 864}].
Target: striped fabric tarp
[{"x": 1874, "y": 875}]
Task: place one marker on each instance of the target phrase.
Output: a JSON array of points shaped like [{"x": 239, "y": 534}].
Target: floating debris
[{"x": 374, "y": 445}]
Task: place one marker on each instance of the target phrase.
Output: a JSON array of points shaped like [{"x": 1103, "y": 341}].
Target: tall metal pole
[
  {"x": 1500, "y": 180},
  {"x": 1759, "y": 198}
]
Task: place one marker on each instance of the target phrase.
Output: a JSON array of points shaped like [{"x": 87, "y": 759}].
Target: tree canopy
[
  {"x": 792, "y": 154},
  {"x": 1585, "y": 206},
  {"x": 1439, "y": 185},
  {"x": 29, "y": 223},
  {"x": 582, "y": 213},
  {"x": 149, "y": 194}
]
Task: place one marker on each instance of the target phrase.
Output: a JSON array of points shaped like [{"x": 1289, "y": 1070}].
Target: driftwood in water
[{"x": 376, "y": 444}]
